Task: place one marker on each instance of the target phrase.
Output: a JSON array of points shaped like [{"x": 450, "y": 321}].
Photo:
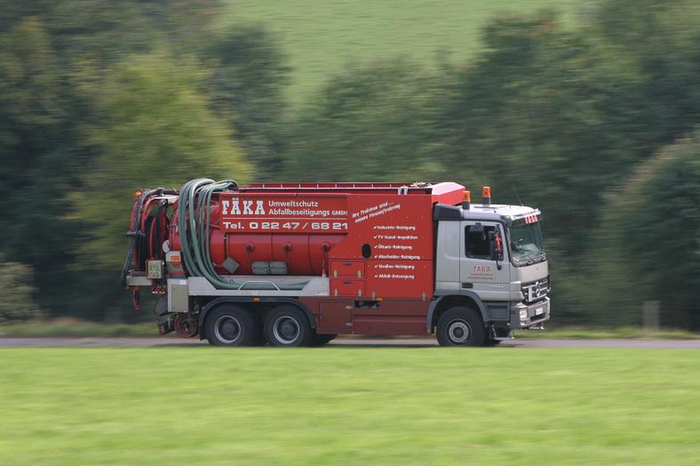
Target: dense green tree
[
  {"x": 54, "y": 56},
  {"x": 372, "y": 123},
  {"x": 40, "y": 154},
  {"x": 49, "y": 51},
  {"x": 246, "y": 87},
  {"x": 547, "y": 110},
  {"x": 30, "y": 106},
  {"x": 655, "y": 227},
  {"x": 661, "y": 39},
  {"x": 17, "y": 290},
  {"x": 104, "y": 31},
  {"x": 154, "y": 129}
]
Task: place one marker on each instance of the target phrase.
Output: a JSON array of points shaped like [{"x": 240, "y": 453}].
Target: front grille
[{"x": 535, "y": 291}]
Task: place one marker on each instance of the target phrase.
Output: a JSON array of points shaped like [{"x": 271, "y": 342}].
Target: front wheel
[{"x": 461, "y": 326}]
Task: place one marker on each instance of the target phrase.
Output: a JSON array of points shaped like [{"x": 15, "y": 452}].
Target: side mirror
[{"x": 496, "y": 246}]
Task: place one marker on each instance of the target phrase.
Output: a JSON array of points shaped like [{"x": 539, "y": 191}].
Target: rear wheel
[
  {"x": 231, "y": 326},
  {"x": 461, "y": 326},
  {"x": 287, "y": 326}
]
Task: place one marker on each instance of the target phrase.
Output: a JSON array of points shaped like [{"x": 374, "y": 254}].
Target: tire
[
  {"x": 461, "y": 326},
  {"x": 288, "y": 326},
  {"x": 323, "y": 339},
  {"x": 492, "y": 342},
  {"x": 231, "y": 326}
]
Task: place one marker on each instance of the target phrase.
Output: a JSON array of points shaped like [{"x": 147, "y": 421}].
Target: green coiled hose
[{"x": 194, "y": 219}]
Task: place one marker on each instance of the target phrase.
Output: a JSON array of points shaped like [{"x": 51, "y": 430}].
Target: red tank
[{"x": 370, "y": 238}]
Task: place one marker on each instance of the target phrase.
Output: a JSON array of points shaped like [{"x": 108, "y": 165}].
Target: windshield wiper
[{"x": 529, "y": 258}]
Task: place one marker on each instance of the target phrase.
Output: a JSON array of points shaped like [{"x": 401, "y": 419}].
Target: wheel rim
[
  {"x": 286, "y": 329},
  {"x": 227, "y": 329},
  {"x": 459, "y": 332},
  {"x": 185, "y": 326}
]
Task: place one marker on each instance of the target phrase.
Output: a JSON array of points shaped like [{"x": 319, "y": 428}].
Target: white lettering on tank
[
  {"x": 259, "y": 209},
  {"x": 236, "y": 207},
  {"x": 246, "y": 207}
]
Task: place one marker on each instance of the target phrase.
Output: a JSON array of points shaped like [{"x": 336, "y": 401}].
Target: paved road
[{"x": 347, "y": 342}]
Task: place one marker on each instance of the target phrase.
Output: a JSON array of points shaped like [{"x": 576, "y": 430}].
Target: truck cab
[{"x": 492, "y": 256}]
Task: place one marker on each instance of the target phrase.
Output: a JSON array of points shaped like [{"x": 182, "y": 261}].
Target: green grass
[
  {"x": 321, "y": 37},
  {"x": 350, "y": 406},
  {"x": 63, "y": 328}
]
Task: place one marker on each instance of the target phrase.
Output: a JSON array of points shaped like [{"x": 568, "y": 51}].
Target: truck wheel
[
  {"x": 323, "y": 339},
  {"x": 231, "y": 326},
  {"x": 461, "y": 326},
  {"x": 287, "y": 326}
]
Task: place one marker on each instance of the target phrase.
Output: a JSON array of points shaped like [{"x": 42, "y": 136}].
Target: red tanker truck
[{"x": 295, "y": 264}]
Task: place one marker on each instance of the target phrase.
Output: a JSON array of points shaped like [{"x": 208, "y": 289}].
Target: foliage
[
  {"x": 30, "y": 110},
  {"x": 245, "y": 87},
  {"x": 54, "y": 56},
  {"x": 152, "y": 121},
  {"x": 658, "y": 227},
  {"x": 545, "y": 103},
  {"x": 17, "y": 291},
  {"x": 41, "y": 154},
  {"x": 662, "y": 38},
  {"x": 372, "y": 123}
]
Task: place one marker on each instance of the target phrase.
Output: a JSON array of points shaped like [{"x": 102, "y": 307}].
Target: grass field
[
  {"x": 321, "y": 37},
  {"x": 350, "y": 406}
]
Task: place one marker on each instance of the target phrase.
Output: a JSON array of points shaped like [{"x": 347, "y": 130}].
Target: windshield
[{"x": 526, "y": 244}]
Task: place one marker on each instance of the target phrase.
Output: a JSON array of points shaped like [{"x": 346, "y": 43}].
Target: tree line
[{"x": 593, "y": 121}]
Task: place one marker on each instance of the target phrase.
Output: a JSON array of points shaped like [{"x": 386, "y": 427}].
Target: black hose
[
  {"x": 135, "y": 232},
  {"x": 157, "y": 218}
]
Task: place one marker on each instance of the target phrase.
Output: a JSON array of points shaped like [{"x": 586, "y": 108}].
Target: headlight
[{"x": 523, "y": 314}]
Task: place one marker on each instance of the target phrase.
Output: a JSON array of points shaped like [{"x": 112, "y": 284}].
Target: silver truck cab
[{"x": 493, "y": 255}]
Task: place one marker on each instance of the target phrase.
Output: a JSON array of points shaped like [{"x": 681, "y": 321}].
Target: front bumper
[{"x": 537, "y": 313}]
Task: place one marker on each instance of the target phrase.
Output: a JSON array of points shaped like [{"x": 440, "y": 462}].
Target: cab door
[{"x": 484, "y": 269}]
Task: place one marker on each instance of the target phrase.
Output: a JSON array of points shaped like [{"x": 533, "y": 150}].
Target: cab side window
[{"x": 477, "y": 244}]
